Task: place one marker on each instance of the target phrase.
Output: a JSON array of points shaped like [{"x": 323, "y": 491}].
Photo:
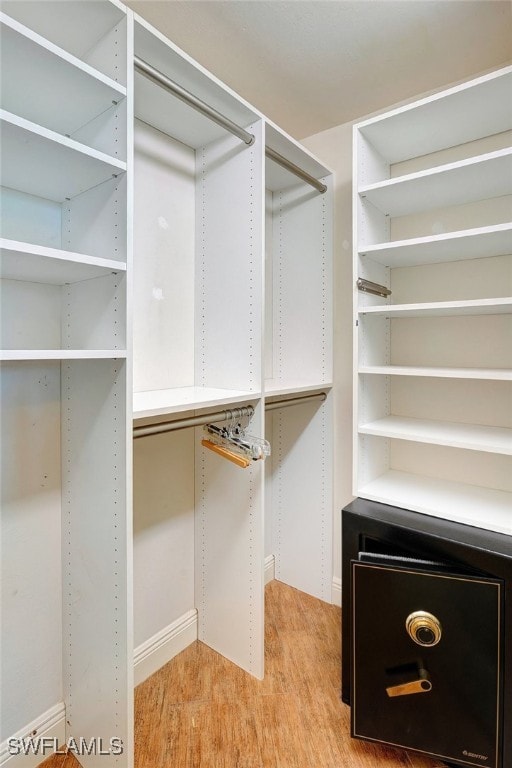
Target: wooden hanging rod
[{"x": 227, "y": 415}]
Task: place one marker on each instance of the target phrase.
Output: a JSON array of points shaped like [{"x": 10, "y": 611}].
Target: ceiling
[{"x": 312, "y": 64}]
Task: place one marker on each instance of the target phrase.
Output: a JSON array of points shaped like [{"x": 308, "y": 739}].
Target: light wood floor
[{"x": 201, "y": 711}]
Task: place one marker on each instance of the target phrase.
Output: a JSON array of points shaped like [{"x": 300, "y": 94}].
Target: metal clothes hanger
[{"x": 233, "y": 443}]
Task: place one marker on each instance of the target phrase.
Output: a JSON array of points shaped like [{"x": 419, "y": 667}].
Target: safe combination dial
[{"x": 424, "y": 628}]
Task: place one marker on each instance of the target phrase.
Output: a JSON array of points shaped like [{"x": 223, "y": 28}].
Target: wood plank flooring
[{"x": 201, "y": 711}]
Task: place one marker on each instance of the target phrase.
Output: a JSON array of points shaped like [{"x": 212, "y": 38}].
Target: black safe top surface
[{"x": 434, "y": 527}]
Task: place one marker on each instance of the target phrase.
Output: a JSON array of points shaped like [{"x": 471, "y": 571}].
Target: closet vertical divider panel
[
  {"x": 66, "y": 382},
  {"x": 197, "y": 345},
  {"x": 301, "y": 495},
  {"x": 96, "y": 462},
  {"x": 299, "y": 474},
  {"x": 229, "y": 557}
]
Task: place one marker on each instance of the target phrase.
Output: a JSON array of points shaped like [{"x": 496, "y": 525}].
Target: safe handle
[{"x": 419, "y": 684}]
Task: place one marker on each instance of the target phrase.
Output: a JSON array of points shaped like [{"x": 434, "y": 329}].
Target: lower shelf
[
  {"x": 10, "y": 355},
  {"x": 456, "y": 435},
  {"x": 162, "y": 401},
  {"x": 38, "y": 264},
  {"x": 469, "y": 504},
  {"x": 495, "y": 374}
]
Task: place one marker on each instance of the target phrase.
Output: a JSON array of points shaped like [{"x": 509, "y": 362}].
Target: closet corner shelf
[
  {"x": 165, "y": 401},
  {"x": 12, "y": 355},
  {"x": 474, "y": 243},
  {"x": 41, "y": 162},
  {"x": 476, "y": 178},
  {"x": 469, "y": 504},
  {"x": 442, "y": 308},
  {"x": 434, "y": 123},
  {"x": 494, "y": 374},
  {"x": 274, "y": 388},
  {"x": 39, "y": 264},
  {"x": 51, "y": 87},
  {"x": 452, "y": 434}
]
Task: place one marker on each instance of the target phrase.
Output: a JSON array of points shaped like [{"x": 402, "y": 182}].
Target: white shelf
[
  {"x": 455, "y": 435},
  {"x": 469, "y": 111},
  {"x": 51, "y": 86},
  {"x": 77, "y": 26},
  {"x": 278, "y": 178},
  {"x": 163, "y": 401},
  {"x": 453, "y": 246},
  {"x": 494, "y": 374},
  {"x": 462, "y": 503},
  {"x": 40, "y": 162},
  {"x": 38, "y": 264},
  {"x": 442, "y": 308},
  {"x": 275, "y": 388},
  {"x": 170, "y": 115},
  {"x": 12, "y": 355},
  {"x": 477, "y": 178}
]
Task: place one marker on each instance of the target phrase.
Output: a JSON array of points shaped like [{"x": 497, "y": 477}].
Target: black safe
[{"x": 427, "y": 634}]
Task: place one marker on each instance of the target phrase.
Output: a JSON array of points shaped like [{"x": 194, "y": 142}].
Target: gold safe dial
[{"x": 424, "y": 628}]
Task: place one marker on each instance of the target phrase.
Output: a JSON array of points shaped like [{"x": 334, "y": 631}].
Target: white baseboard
[
  {"x": 336, "y": 591},
  {"x": 50, "y": 725},
  {"x": 164, "y": 646},
  {"x": 270, "y": 573},
  {"x": 148, "y": 658},
  {"x": 173, "y": 639},
  {"x": 270, "y": 568}
]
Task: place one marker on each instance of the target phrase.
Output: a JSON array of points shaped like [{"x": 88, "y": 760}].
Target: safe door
[{"x": 426, "y": 660}]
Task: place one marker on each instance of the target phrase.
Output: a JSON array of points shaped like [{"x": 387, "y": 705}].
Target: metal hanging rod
[
  {"x": 248, "y": 138},
  {"x": 192, "y": 421},
  {"x": 181, "y": 93},
  {"x": 284, "y": 163},
  {"x": 209, "y": 418}
]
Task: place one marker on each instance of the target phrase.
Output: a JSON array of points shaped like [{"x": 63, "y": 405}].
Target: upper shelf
[
  {"x": 167, "y": 113},
  {"x": 442, "y": 308},
  {"x": 43, "y": 83},
  {"x": 43, "y": 163},
  {"x": 475, "y": 243},
  {"x": 165, "y": 401},
  {"x": 278, "y": 178},
  {"x": 76, "y": 26},
  {"x": 477, "y": 178},
  {"x": 467, "y": 112},
  {"x": 38, "y": 264}
]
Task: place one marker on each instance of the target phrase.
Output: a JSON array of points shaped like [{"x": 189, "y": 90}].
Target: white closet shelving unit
[
  {"x": 197, "y": 342},
  {"x": 201, "y": 302},
  {"x": 433, "y": 378},
  {"x": 66, "y": 394},
  {"x": 93, "y": 150}
]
